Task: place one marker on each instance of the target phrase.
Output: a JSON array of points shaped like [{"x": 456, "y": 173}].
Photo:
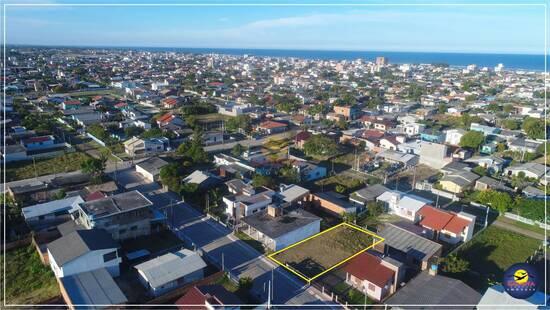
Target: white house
[
  {"x": 453, "y": 136},
  {"x": 50, "y": 211},
  {"x": 447, "y": 226},
  {"x": 277, "y": 230},
  {"x": 84, "y": 250},
  {"x": 248, "y": 201},
  {"x": 170, "y": 271},
  {"x": 150, "y": 168},
  {"x": 403, "y": 205},
  {"x": 136, "y": 146}
]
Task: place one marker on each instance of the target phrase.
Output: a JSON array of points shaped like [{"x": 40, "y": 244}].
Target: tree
[
  {"x": 237, "y": 150},
  {"x": 239, "y": 123},
  {"x": 511, "y": 124},
  {"x": 348, "y": 217},
  {"x": 534, "y": 128},
  {"x": 245, "y": 284},
  {"x": 375, "y": 208},
  {"x": 133, "y": 131},
  {"x": 289, "y": 174},
  {"x": 499, "y": 201},
  {"x": 193, "y": 149},
  {"x": 472, "y": 139},
  {"x": 454, "y": 264},
  {"x": 152, "y": 133},
  {"x": 480, "y": 170},
  {"x": 189, "y": 191},
  {"x": 442, "y": 108},
  {"x": 95, "y": 167},
  {"x": 321, "y": 146},
  {"x": 340, "y": 188},
  {"x": 170, "y": 176},
  {"x": 260, "y": 180}
]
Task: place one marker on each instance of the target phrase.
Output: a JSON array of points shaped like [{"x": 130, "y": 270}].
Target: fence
[{"x": 522, "y": 219}]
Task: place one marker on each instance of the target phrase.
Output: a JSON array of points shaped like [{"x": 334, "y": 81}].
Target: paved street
[{"x": 219, "y": 245}]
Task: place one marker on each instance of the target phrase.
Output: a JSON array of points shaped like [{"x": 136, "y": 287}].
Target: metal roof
[
  {"x": 408, "y": 242},
  {"x": 171, "y": 266},
  {"x": 78, "y": 243},
  {"x": 95, "y": 287}
]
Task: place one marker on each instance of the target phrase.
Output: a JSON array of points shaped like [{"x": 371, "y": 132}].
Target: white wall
[
  {"x": 297, "y": 235},
  {"x": 90, "y": 261}
]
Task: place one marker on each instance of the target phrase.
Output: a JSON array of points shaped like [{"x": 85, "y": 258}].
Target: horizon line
[{"x": 277, "y": 49}]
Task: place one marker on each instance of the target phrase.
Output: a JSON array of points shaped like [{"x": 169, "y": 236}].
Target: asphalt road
[{"x": 223, "y": 248}]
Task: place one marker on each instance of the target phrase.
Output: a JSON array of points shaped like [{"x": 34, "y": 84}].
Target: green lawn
[
  {"x": 491, "y": 252},
  {"x": 533, "y": 228},
  {"x": 64, "y": 163},
  {"x": 28, "y": 281}
]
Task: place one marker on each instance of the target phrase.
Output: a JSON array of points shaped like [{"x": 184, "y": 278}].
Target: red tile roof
[
  {"x": 271, "y": 125},
  {"x": 170, "y": 101},
  {"x": 304, "y": 135},
  {"x": 165, "y": 118},
  {"x": 368, "y": 267},
  {"x": 39, "y": 139},
  {"x": 438, "y": 220},
  {"x": 434, "y": 218},
  {"x": 94, "y": 196},
  {"x": 193, "y": 297},
  {"x": 457, "y": 224}
]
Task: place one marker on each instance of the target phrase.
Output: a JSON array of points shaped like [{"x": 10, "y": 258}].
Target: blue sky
[{"x": 483, "y": 29}]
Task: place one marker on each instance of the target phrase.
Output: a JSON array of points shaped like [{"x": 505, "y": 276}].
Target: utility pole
[{"x": 34, "y": 167}]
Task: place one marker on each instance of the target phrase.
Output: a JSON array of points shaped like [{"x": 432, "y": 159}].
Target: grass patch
[
  {"x": 533, "y": 228},
  {"x": 64, "y": 163},
  {"x": 28, "y": 281},
  {"x": 325, "y": 250},
  {"x": 257, "y": 245},
  {"x": 491, "y": 252},
  {"x": 346, "y": 180},
  {"x": 154, "y": 243}
]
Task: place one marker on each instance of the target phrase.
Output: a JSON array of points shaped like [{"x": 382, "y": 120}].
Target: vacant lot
[
  {"x": 325, "y": 250},
  {"x": 28, "y": 281},
  {"x": 26, "y": 169},
  {"x": 492, "y": 251}
]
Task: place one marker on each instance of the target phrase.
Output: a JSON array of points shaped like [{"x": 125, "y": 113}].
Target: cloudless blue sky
[{"x": 485, "y": 29}]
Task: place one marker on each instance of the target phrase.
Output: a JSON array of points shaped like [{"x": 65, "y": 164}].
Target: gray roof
[
  {"x": 95, "y": 287},
  {"x": 409, "y": 242},
  {"x": 69, "y": 227},
  {"x": 152, "y": 165},
  {"x": 275, "y": 227},
  {"x": 68, "y": 204},
  {"x": 293, "y": 192},
  {"x": 171, "y": 266},
  {"x": 426, "y": 289},
  {"x": 116, "y": 204},
  {"x": 78, "y": 243},
  {"x": 30, "y": 187},
  {"x": 461, "y": 178},
  {"x": 535, "y": 168},
  {"x": 369, "y": 193}
]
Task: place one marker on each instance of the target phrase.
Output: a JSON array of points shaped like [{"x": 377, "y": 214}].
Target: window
[
  {"x": 371, "y": 287},
  {"x": 122, "y": 231},
  {"x": 109, "y": 256},
  {"x": 133, "y": 227}
]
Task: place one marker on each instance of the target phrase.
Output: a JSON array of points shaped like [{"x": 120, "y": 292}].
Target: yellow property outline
[{"x": 307, "y": 279}]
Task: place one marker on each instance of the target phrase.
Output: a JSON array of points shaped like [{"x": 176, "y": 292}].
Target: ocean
[{"x": 510, "y": 61}]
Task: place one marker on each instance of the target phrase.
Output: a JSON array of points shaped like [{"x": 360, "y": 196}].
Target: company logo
[{"x": 521, "y": 281}]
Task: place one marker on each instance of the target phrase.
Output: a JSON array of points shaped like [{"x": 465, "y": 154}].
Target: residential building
[
  {"x": 530, "y": 170},
  {"x": 144, "y": 147},
  {"x": 150, "y": 168},
  {"x": 403, "y": 205},
  {"x": 333, "y": 203},
  {"x": 447, "y": 226},
  {"x": 308, "y": 171},
  {"x": 125, "y": 215},
  {"x": 453, "y": 136},
  {"x": 276, "y": 228},
  {"x": 95, "y": 288},
  {"x": 348, "y": 112},
  {"x": 293, "y": 194},
  {"x": 247, "y": 201},
  {"x": 458, "y": 182},
  {"x": 432, "y": 289},
  {"x": 272, "y": 127},
  {"x": 496, "y": 297},
  {"x": 372, "y": 275},
  {"x": 50, "y": 213},
  {"x": 212, "y": 296},
  {"x": 204, "y": 179},
  {"x": 84, "y": 250},
  {"x": 167, "y": 272},
  {"x": 367, "y": 194},
  {"x": 408, "y": 247}
]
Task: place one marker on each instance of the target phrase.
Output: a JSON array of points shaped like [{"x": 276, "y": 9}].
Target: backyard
[
  {"x": 324, "y": 251},
  {"x": 27, "y": 280},
  {"x": 60, "y": 164},
  {"x": 491, "y": 252}
]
